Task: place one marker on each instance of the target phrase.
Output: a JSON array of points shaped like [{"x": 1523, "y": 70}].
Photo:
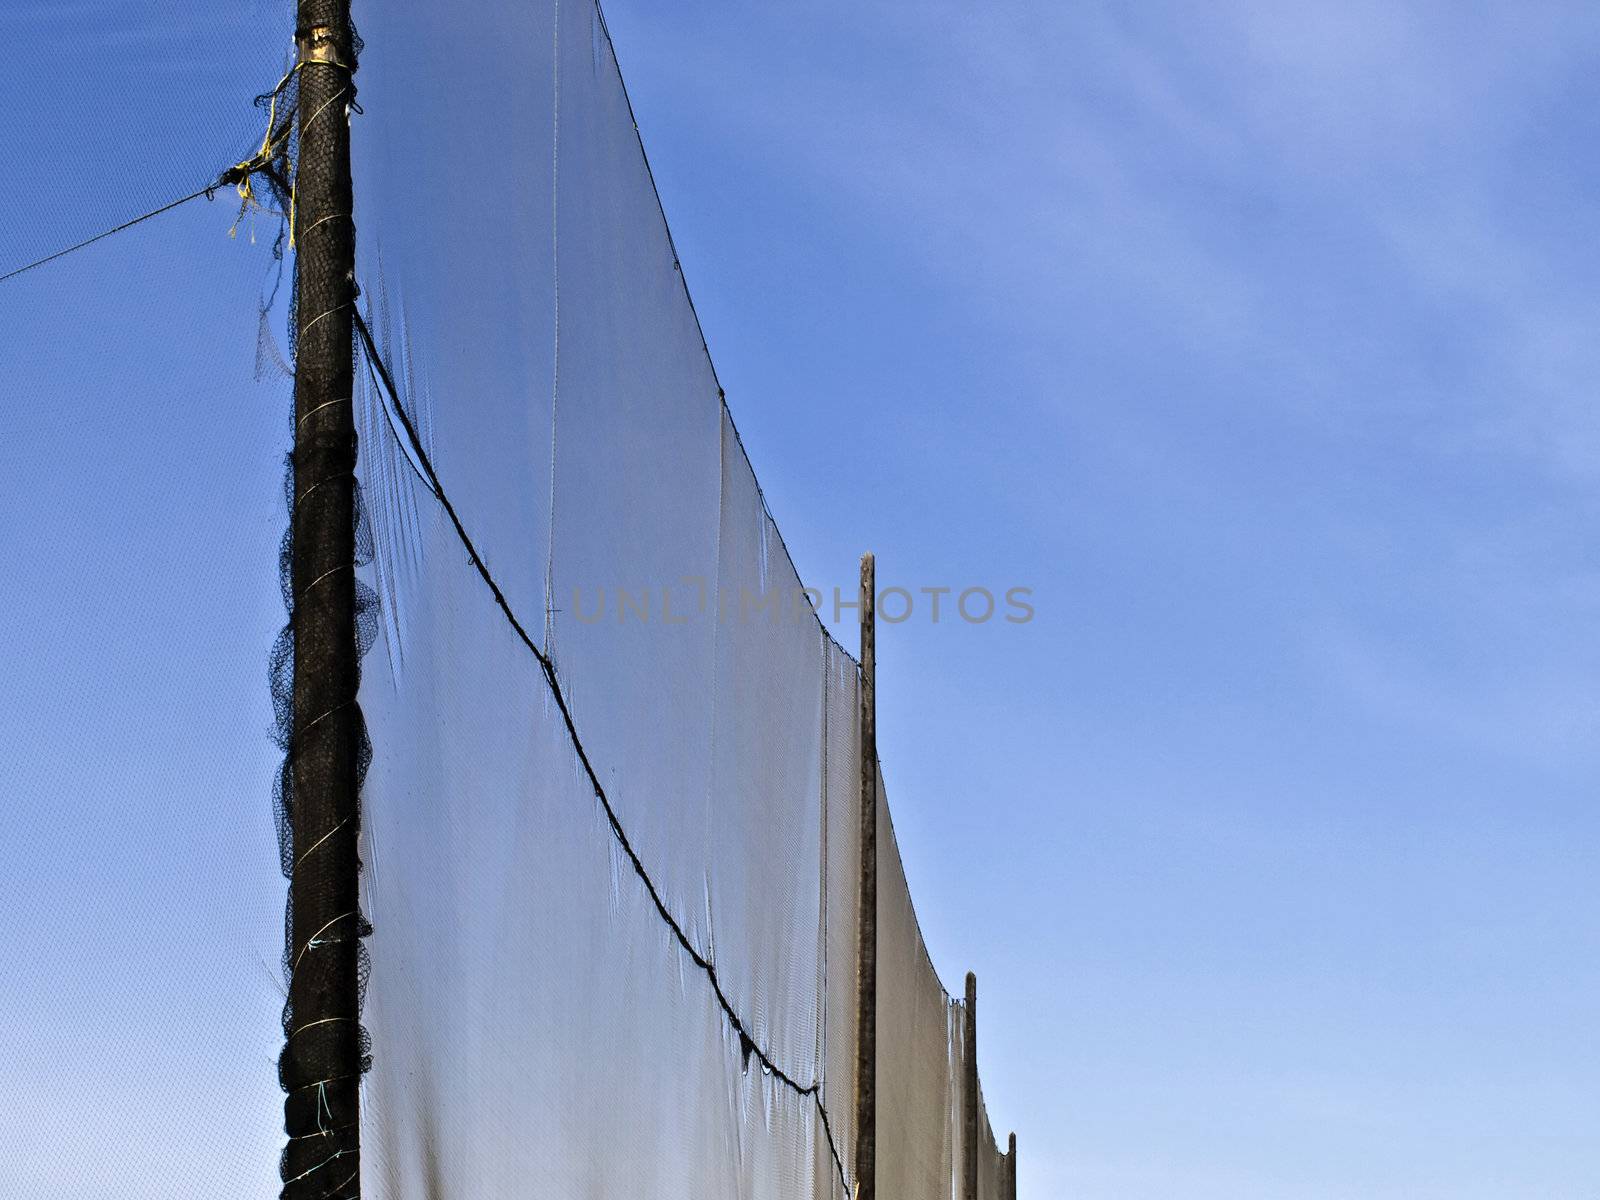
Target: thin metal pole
[
  {"x": 867, "y": 912},
  {"x": 969, "y": 1092},
  {"x": 321, "y": 1064}
]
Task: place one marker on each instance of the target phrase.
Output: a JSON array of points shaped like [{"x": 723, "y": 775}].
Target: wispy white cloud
[{"x": 1264, "y": 183}]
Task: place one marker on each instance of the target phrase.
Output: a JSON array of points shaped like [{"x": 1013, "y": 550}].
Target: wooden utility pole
[
  {"x": 867, "y": 912},
  {"x": 969, "y": 1093},
  {"x": 320, "y": 1068}
]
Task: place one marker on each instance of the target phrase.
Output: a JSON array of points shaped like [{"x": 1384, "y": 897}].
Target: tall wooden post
[
  {"x": 867, "y": 912},
  {"x": 1011, "y": 1168},
  {"x": 320, "y": 1067},
  {"x": 969, "y": 1093}
]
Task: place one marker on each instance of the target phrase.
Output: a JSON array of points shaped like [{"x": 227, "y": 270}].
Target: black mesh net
[{"x": 280, "y": 673}]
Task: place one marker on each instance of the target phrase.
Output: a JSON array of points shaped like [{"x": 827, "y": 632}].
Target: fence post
[
  {"x": 969, "y": 1093},
  {"x": 320, "y": 1067},
  {"x": 867, "y": 912},
  {"x": 1011, "y": 1168}
]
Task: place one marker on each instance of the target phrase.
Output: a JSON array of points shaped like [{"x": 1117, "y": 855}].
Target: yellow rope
[{"x": 246, "y": 170}]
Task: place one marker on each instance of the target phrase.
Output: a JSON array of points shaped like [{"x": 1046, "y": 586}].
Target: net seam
[{"x": 747, "y": 1044}]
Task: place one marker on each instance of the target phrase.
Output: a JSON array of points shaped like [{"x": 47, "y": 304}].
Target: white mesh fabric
[
  {"x": 916, "y": 1119},
  {"x": 582, "y": 435}
]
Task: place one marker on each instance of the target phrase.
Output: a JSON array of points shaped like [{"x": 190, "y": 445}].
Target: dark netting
[{"x": 281, "y": 676}]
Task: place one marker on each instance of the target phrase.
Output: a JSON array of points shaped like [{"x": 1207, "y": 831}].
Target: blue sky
[{"x": 1257, "y": 340}]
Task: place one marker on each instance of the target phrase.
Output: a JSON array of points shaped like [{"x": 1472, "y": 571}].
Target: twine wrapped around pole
[{"x": 323, "y": 1055}]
